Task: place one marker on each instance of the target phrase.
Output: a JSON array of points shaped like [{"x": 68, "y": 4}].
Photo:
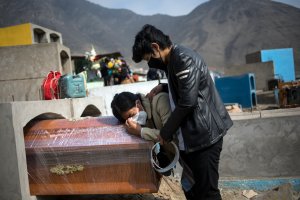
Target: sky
[{"x": 168, "y": 7}]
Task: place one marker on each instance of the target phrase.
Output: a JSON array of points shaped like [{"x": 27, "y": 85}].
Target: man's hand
[
  {"x": 132, "y": 127},
  {"x": 157, "y": 89},
  {"x": 160, "y": 140}
]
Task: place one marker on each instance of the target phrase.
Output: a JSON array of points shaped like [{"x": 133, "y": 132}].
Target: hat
[{"x": 161, "y": 161}]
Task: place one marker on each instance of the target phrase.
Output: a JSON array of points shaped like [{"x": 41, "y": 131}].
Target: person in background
[
  {"x": 125, "y": 77},
  {"x": 104, "y": 71},
  {"x": 199, "y": 119}
]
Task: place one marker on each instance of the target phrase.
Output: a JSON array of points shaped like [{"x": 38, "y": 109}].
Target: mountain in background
[{"x": 222, "y": 31}]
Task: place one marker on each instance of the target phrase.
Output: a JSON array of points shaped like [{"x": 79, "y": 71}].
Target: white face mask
[{"x": 140, "y": 118}]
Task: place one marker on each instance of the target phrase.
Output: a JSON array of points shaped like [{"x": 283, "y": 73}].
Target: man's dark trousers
[{"x": 204, "y": 165}]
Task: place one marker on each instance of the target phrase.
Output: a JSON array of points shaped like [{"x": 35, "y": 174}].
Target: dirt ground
[{"x": 170, "y": 190}]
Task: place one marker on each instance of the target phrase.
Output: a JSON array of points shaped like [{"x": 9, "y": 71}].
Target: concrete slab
[
  {"x": 264, "y": 147},
  {"x": 23, "y": 68},
  {"x": 259, "y": 184},
  {"x": 10, "y": 185},
  {"x": 280, "y": 113},
  {"x": 14, "y": 117},
  {"x": 245, "y": 115},
  {"x": 92, "y": 105}
]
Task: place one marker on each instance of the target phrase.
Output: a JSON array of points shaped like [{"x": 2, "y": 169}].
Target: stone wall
[{"x": 23, "y": 68}]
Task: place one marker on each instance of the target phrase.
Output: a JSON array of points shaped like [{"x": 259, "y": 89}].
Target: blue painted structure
[
  {"x": 238, "y": 89},
  {"x": 283, "y": 60},
  {"x": 259, "y": 184}
]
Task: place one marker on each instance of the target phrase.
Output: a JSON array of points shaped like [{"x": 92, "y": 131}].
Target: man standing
[{"x": 199, "y": 119}]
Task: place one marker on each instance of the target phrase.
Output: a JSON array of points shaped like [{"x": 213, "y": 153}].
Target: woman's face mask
[{"x": 140, "y": 117}]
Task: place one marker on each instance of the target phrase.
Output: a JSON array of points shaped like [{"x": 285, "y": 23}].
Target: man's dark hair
[
  {"x": 122, "y": 103},
  {"x": 142, "y": 44}
]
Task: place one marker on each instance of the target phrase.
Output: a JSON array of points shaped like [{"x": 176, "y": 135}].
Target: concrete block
[
  {"x": 24, "y": 111},
  {"x": 14, "y": 116},
  {"x": 26, "y": 34},
  {"x": 263, "y": 72},
  {"x": 23, "y": 68},
  {"x": 49, "y": 35},
  {"x": 21, "y": 90},
  {"x": 283, "y": 59},
  {"x": 263, "y": 147},
  {"x": 10, "y": 185},
  {"x": 89, "y": 106},
  {"x": 238, "y": 89},
  {"x": 266, "y": 98},
  {"x": 32, "y": 61}
]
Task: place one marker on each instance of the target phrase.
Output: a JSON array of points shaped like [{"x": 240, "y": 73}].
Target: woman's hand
[
  {"x": 132, "y": 127},
  {"x": 157, "y": 89}
]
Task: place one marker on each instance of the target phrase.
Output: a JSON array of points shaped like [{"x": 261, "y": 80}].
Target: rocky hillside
[{"x": 223, "y": 31}]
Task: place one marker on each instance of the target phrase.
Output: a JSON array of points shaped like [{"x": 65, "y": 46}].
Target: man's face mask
[
  {"x": 157, "y": 63},
  {"x": 140, "y": 118}
]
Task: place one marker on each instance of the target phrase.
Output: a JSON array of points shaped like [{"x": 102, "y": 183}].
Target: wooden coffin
[{"x": 89, "y": 156}]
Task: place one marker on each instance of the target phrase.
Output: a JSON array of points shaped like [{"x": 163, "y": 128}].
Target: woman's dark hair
[
  {"x": 122, "y": 103},
  {"x": 142, "y": 44}
]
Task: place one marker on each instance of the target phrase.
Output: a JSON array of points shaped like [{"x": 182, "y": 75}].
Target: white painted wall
[{"x": 108, "y": 92}]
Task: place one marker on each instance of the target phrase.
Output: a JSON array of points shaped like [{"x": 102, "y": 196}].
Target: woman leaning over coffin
[{"x": 142, "y": 117}]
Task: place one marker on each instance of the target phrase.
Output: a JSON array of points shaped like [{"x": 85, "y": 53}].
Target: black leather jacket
[{"x": 199, "y": 110}]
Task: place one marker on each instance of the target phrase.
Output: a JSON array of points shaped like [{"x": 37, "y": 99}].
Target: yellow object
[
  {"x": 16, "y": 35},
  {"x": 110, "y": 65},
  {"x": 119, "y": 62}
]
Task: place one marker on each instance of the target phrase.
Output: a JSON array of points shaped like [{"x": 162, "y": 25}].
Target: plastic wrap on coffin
[{"x": 89, "y": 156}]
